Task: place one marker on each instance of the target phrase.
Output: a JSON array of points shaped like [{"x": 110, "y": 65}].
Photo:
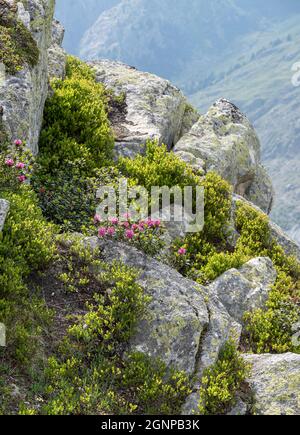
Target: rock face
[
  {"x": 245, "y": 289},
  {"x": 23, "y": 95},
  {"x": 275, "y": 382},
  {"x": 177, "y": 316},
  {"x": 4, "y": 208},
  {"x": 56, "y": 54},
  {"x": 224, "y": 141},
  {"x": 186, "y": 324},
  {"x": 153, "y": 108}
]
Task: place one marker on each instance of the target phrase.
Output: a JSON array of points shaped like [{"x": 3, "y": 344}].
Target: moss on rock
[{"x": 17, "y": 45}]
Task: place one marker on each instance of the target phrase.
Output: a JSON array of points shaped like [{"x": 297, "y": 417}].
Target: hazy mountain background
[{"x": 239, "y": 49}]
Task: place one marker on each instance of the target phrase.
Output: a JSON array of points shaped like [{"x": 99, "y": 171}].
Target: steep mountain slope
[
  {"x": 157, "y": 37},
  {"x": 78, "y": 16}
]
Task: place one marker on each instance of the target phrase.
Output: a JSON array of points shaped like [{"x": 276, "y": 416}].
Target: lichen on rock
[
  {"x": 23, "y": 95},
  {"x": 224, "y": 141},
  {"x": 155, "y": 109},
  {"x": 275, "y": 382}
]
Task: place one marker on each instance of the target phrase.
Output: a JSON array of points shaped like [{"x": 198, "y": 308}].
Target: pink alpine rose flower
[
  {"x": 111, "y": 231},
  {"x": 114, "y": 220},
  {"x": 22, "y": 178},
  {"x": 129, "y": 234},
  {"x": 9, "y": 162},
  {"x": 102, "y": 232},
  {"x": 20, "y": 165},
  {"x": 150, "y": 223},
  {"x": 127, "y": 216},
  {"x": 18, "y": 142},
  {"x": 182, "y": 251}
]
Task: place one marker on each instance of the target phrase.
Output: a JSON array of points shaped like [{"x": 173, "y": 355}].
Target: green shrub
[
  {"x": 221, "y": 382},
  {"x": 27, "y": 238},
  {"x": 76, "y": 126},
  {"x": 26, "y": 245},
  {"x": 112, "y": 317},
  {"x": 17, "y": 45},
  {"x": 68, "y": 199},
  {"x": 16, "y": 166},
  {"x": 158, "y": 168},
  {"x": 270, "y": 329},
  {"x": 92, "y": 375},
  {"x": 206, "y": 255},
  {"x": 134, "y": 385}
]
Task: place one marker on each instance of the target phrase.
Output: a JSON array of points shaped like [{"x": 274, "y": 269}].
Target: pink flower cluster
[
  {"x": 182, "y": 251},
  {"x": 20, "y": 166},
  {"x": 125, "y": 228},
  {"x": 11, "y": 163}
]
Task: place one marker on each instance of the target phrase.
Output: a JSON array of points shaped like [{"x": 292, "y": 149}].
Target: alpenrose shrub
[
  {"x": 76, "y": 122},
  {"x": 68, "y": 198},
  {"x": 145, "y": 235},
  {"x": 16, "y": 166}
]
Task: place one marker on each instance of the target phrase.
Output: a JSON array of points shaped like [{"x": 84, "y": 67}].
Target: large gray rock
[
  {"x": 275, "y": 382},
  {"x": 183, "y": 326},
  {"x": 22, "y": 96},
  {"x": 288, "y": 245},
  {"x": 245, "y": 289},
  {"x": 177, "y": 315},
  {"x": 153, "y": 107},
  {"x": 4, "y": 208},
  {"x": 224, "y": 141}
]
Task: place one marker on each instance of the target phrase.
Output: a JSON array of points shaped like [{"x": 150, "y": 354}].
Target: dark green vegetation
[
  {"x": 76, "y": 127},
  {"x": 76, "y": 140},
  {"x": 34, "y": 262},
  {"x": 222, "y": 381},
  {"x": 17, "y": 46},
  {"x": 70, "y": 316}
]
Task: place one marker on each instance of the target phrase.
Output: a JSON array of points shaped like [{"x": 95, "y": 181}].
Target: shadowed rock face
[
  {"x": 245, "y": 289},
  {"x": 275, "y": 382},
  {"x": 22, "y": 96},
  {"x": 56, "y": 54},
  {"x": 224, "y": 141}
]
